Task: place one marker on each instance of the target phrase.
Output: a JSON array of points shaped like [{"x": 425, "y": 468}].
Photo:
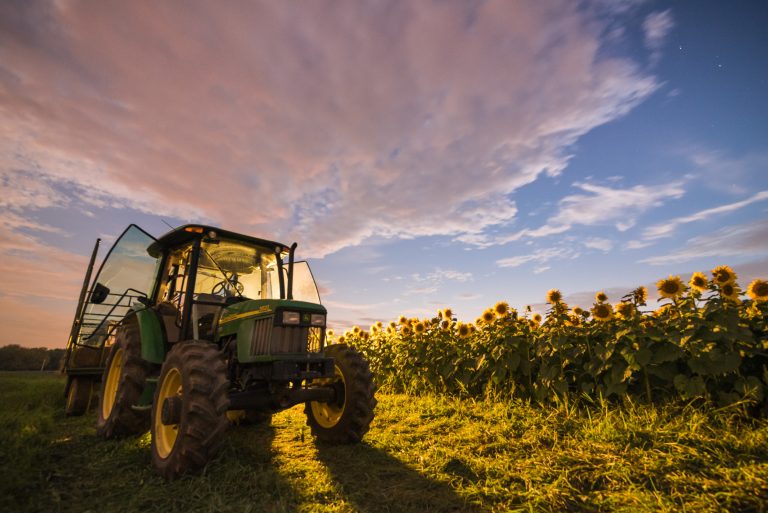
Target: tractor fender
[{"x": 151, "y": 331}]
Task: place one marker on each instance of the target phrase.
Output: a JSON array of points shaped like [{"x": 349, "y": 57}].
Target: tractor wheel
[
  {"x": 348, "y": 418},
  {"x": 189, "y": 412},
  {"x": 122, "y": 385},
  {"x": 78, "y": 396}
]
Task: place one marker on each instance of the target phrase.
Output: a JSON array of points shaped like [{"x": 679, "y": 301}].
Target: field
[{"x": 422, "y": 454}]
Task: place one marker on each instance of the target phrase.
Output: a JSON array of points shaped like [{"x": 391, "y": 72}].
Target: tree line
[{"x": 13, "y": 357}]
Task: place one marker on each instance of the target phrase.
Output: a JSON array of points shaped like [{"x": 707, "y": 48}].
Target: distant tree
[{"x": 14, "y": 357}]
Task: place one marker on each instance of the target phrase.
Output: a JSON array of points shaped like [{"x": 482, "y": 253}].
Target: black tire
[
  {"x": 78, "y": 396},
  {"x": 122, "y": 385},
  {"x": 351, "y": 414},
  {"x": 194, "y": 380}
]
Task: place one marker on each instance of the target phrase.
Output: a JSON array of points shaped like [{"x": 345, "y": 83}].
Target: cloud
[
  {"x": 742, "y": 240},
  {"x": 326, "y": 123},
  {"x": 539, "y": 256},
  {"x": 656, "y": 27},
  {"x": 666, "y": 229},
  {"x": 431, "y": 282},
  {"x": 599, "y": 243}
]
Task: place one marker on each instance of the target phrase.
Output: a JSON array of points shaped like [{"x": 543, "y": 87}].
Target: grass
[{"x": 422, "y": 454}]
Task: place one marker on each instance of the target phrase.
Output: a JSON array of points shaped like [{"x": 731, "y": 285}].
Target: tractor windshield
[{"x": 234, "y": 268}]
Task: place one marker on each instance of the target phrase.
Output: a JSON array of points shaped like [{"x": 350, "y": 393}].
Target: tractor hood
[{"x": 232, "y": 316}]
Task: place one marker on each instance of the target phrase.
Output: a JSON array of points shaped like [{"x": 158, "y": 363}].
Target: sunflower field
[{"x": 706, "y": 341}]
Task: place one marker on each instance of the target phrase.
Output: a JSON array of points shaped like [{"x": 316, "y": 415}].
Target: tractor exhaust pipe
[{"x": 290, "y": 271}]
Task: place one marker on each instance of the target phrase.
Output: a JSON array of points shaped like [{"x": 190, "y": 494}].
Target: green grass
[{"x": 422, "y": 454}]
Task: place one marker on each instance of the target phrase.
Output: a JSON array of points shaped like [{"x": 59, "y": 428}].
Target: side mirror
[{"x": 99, "y": 293}]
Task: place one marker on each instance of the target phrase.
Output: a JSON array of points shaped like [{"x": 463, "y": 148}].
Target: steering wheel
[{"x": 224, "y": 288}]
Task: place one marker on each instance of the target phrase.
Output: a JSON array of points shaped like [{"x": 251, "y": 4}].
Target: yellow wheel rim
[
  {"x": 71, "y": 395},
  {"x": 113, "y": 380},
  {"x": 329, "y": 414},
  {"x": 165, "y": 435}
]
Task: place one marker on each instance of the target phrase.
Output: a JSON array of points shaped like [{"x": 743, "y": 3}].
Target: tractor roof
[{"x": 190, "y": 232}]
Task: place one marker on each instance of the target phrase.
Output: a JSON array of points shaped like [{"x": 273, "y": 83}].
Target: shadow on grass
[{"x": 375, "y": 482}]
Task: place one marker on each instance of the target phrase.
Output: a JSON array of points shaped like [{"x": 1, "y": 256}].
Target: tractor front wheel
[
  {"x": 122, "y": 385},
  {"x": 189, "y": 411},
  {"x": 347, "y": 418}
]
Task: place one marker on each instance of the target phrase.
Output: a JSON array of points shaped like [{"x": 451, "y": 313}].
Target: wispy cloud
[
  {"x": 540, "y": 256},
  {"x": 656, "y": 27},
  {"x": 742, "y": 240},
  {"x": 459, "y": 106},
  {"x": 667, "y": 228}
]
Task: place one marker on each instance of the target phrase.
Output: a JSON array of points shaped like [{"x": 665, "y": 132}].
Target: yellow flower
[
  {"x": 488, "y": 316},
  {"x": 501, "y": 308},
  {"x": 479, "y": 320},
  {"x": 533, "y": 324},
  {"x": 670, "y": 287},
  {"x": 329, "y": 333},
  {"x": 699, "y": 282},
  {"x": 341, "y": 339},
  {"x": 365, "y": 335},
  {"x": 640, "y": 295},
  {"x": 448, "y": 314},
  {"x": 374, "y": 329},
  {"x": 464, "y": 330},
  {"x": 723, "y": 274},
  {"x": 536, "y": 318},
  {"x": 391, "y": 330},
  {"x": 730, "y": 291},
  {"x": 405, "y": 330},
  {"x": 625, "y": 310},
  {"x": 393, "y": 325},
  {"x": 356, "y": 330},
  {"x": 602, "y": 311},
  {"x": 379, "y": 324},
  {"x": 577, "y": 311},
  {"x": 661, "y": 310},
  {"x": 554, "y": 296},
  {"x": 601, "y": 297},
  {"x": 758, "y": 290},
  {"x": 403, "y": 320},
  {"x": 445, "y": 325},
  {"x": 419, "y": 327}
]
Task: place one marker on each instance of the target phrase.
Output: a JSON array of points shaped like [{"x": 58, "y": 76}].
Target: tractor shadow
[{"x": 375, "y": 482}]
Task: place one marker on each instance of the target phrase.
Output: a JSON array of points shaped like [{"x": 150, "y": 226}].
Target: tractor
[{"x": 185, "y": 334}]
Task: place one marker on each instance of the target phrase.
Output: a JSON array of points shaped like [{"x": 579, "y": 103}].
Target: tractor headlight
[
  {"x": 318, "y": 320},
  {"x": 291, "y": 318}
]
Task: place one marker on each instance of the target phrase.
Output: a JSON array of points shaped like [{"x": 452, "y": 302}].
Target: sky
[{"x": 423, "y": 154}]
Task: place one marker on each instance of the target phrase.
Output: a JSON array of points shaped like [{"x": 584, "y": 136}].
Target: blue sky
[{"x": 423, "y": 154}]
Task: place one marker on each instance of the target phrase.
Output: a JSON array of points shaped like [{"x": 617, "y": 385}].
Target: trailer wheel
[
  {"x": 78, "y": 396},
  {"x": 348, "y": 418},
  {"x": 122, "y": 385},
  {"x": 189, "y": 413}
]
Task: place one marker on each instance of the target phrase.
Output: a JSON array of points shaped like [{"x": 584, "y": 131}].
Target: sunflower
[
  {"x": 445, "y": 325},
  {"x": 329, "y": 333},
  {"x": 365, "y": 335},
  {"x": 356, "y": 330},
  {"x": 602, "y": 311},
  {"x": 577, "y": 310},
  {"x": 501, "y": 308},
  {"x": 758, "y": 290},
  {"x": 699, "y": 282},
  {"x": 391, "y": 330},
  {"x": 730, "y": 291},
  {"x": 341, "y": 339},
  {"x": 464, "y": 330},
  {"x": 625, "y": 310},
  {"x": 479, "y": 320},
  {"x": 374, "y": 329},
  {"x": 723, "y": 274},
  {"x": 393, "y": 324},
  {"x": 488, "y": 316},
  {"x": 661, "y": 310},
  {"x": 601, "y": 297},
  {"x": 533, "y": 325},
  {"x": 379, "y": 324},
  {"x": 670, "y": 287},
  {"x": 448, "y": 314},
  {"x": 405, "y": 330},
  {"x": 537, "y": 318},
  {"x": 403, "y": 320},
  {"x": 574, "y": 320},
  {"x": 554, "y": 296},
  {"x": 640, "y": 295},
  {"x": 419, "y": 327}
]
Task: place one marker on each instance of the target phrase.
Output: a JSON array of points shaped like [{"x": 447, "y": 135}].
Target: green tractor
[{"x": 202, "y": 327}]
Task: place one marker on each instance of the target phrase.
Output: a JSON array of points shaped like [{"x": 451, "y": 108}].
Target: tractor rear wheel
[
  {"x": 348, "y": 417},
  {"x": 122, "y": 385},
  {"x": 78, "y": 396},
  {"x": 189, "y": 413}
]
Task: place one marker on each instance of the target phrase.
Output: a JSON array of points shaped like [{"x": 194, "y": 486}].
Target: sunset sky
[{"x": 423, "y": 154}]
